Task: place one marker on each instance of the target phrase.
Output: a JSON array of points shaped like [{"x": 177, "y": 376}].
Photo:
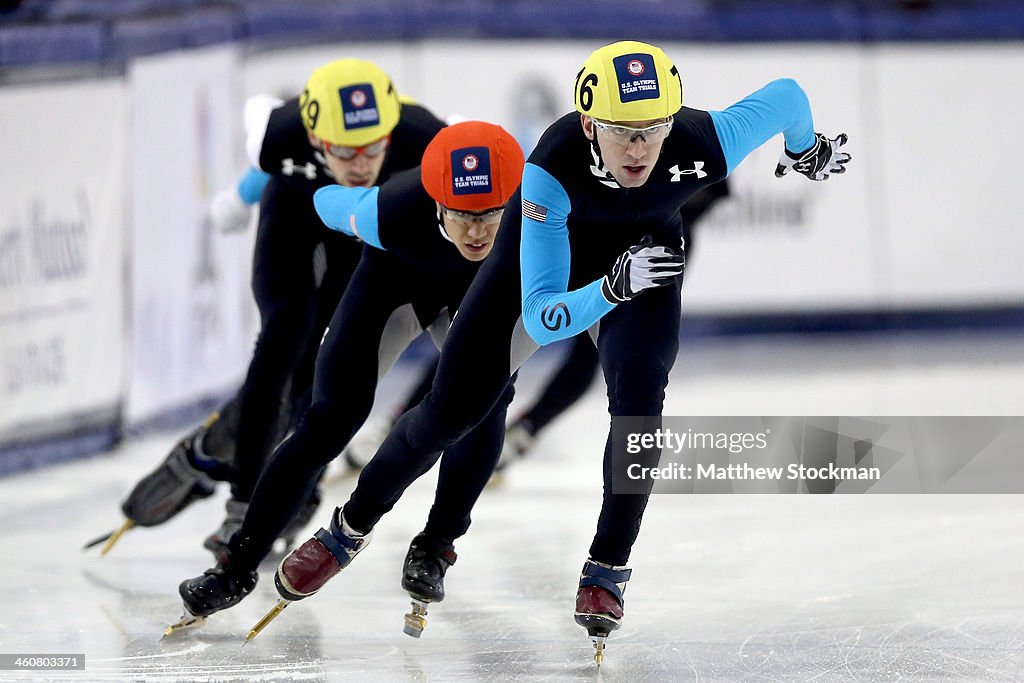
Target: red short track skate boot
[
  {"x": 599, "y": 601},
  {"x": 307, "y": 568}
]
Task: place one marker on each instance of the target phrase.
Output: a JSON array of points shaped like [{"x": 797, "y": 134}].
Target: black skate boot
[
  {"x": 599, "y": 605},
  {"x": 214, "y": 590},
  {"x": 425, "y": 565},
  {"x": 169, "y": 489},
  {"x": 178, "y": 481},
  {"x": 307, "y": 568},
  {"x": 217, "y": 542}
]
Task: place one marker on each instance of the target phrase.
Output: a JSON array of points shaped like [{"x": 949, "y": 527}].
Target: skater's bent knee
[{"x": 638, "y": 386}]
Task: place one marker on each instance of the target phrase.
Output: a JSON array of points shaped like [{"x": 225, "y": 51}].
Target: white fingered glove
[
  {"x": 641, "y": 267},
  {"x": 819, "y": 161},
  {"x": 228, "y": 213}
]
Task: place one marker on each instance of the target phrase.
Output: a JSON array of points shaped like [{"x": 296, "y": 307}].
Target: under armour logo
[
  {"x": 697, "y": 166},
  {"x": 288, "y": 167}
]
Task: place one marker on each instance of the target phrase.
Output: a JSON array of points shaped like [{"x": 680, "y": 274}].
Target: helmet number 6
[{"x": 586, "y": 91}]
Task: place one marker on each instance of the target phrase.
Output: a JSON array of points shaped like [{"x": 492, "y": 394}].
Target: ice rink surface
[{"x": 725, "y": 587}]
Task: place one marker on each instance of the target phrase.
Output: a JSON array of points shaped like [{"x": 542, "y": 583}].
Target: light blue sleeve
[
  {"x": 351, "y": 210},
  {"x": 250, "y": 187},
  {"x": 550, "y": 312},
  {"x": 779, "y": 107}
]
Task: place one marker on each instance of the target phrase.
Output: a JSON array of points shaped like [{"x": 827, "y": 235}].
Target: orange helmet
[{"x": 472, "y": 166}]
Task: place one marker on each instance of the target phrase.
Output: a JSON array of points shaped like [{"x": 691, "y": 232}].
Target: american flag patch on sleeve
[{"x": 534, "y": 211}]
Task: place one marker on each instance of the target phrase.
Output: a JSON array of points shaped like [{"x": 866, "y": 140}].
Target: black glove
[
  {"x": 819, "y": 161},
  {"x": 641, "y": 267}
]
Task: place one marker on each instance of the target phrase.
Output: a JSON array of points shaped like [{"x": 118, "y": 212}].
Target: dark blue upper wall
[{"x": 34, "y": 32}]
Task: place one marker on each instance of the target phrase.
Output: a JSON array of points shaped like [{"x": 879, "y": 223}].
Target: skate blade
[
  {"x": 598, "y": 626},
  {"x": 599, "y": 642},
  {"x": 267, "y": 618},
  {"x": 128, "y": 524},
  {"x": 96, "y": 541},
  {"x": 188, "y": 621},
  {"x": 416, "y": 619}
]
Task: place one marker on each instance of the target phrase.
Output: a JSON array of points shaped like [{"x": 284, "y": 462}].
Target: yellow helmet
[
  {"x": 349, "y": 102},
  {"x": 628, "y": 81}
]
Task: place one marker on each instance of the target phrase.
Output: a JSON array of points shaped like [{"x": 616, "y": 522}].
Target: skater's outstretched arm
[{"x": 351, "y": 210}]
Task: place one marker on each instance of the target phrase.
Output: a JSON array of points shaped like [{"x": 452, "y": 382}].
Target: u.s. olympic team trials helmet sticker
[
  {"x": 471, "y": 170},
  {"x": 359, "y": 106},
  {"x": 638, "y": 79}
]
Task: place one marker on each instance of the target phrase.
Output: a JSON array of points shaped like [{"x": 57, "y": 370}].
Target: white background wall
[
  {"x": 62, "y": 251},
  {"x": 192, "y": 313}
]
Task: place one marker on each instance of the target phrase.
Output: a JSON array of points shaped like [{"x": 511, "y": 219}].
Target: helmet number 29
[{"x": 310, "y": 106}]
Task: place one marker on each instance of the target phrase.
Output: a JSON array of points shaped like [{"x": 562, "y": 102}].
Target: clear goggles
[
  {"x": 375, "y": 148},
  {"x": 624, "y": 135},
  {"x": 490, "y": 218}
]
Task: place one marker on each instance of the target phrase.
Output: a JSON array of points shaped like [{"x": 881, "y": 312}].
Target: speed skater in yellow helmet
[
  {"x": 628, "y": 81},
  {"x": 350, "y": 102}
]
